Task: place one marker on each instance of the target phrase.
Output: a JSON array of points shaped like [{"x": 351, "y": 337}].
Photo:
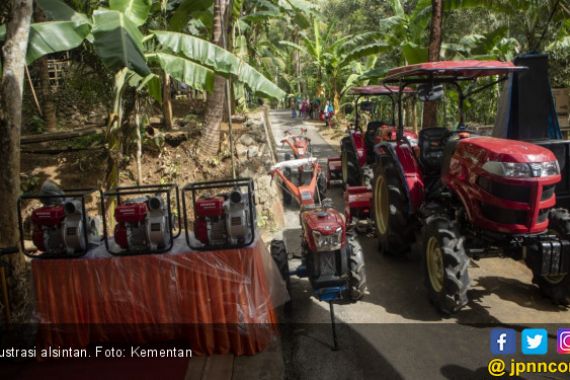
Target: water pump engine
[
  {"x": 142, "y": 224},
  {"x": 59, "y": 228},
  {"x": 223, "y": 219}
]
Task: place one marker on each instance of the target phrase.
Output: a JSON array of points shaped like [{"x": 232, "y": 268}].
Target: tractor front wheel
[
  {"x": 445, "y": 264},
  {"x": 321, "y": 190},
  {"x": 395, "y": 231},
  {"x": 557, "y": 288},
  {"x": 357, "y": 273}
]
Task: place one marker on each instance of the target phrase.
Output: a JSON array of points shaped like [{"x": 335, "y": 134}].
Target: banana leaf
[
  {"x": 58, "y": 10},
  {"x": 136, "y": 10},
  {"x": 54, "y": 36},
  {"x": 219, "y": 60},
  {"x": 184, "y": 70},
  {"x": 118, "y": 42}
]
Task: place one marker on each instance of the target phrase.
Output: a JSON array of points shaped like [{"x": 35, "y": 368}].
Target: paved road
[{"x": 394, "y": 333}]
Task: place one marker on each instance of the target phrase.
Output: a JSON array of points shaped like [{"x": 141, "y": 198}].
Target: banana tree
[
  {"x": 117, "y": 39},
  {"x": 331, "y": 58}
]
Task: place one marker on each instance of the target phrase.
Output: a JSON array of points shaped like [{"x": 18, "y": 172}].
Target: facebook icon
[{"x": 503, "y": 342}]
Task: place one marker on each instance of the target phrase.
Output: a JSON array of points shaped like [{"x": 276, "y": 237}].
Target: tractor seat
[
  {"x": 369, "y": 137},
  {"x": 432, "y": 142}
]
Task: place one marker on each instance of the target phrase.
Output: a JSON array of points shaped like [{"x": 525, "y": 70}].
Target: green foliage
[
  {"x": 54, "y": 36},
  {"x": 118, "y": 42},
  {"x": 136, "y": 10},
  {"x": 219, "y": 59}
]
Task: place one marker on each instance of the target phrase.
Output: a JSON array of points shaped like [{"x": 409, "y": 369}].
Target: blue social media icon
[
  {"x": 503, "y": 341},
  {"x": 534, "y": 341}
]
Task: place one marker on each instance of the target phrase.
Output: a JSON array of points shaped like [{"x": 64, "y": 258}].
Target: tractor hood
[
  {"x": 324, "y": 221},
  {"x": 483, "y": 149}
]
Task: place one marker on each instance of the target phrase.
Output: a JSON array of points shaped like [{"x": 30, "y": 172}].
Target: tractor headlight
[
  {"x": 522, "y": 170},
  {"x": 330, "y": 242}
]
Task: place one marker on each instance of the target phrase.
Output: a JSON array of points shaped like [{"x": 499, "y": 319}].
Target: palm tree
[
  {"x": 210, "y": 141},
  {"x": 434, "y": 49}
]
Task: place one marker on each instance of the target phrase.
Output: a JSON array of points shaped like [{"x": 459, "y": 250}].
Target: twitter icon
[{"x": 534, "y": 341}]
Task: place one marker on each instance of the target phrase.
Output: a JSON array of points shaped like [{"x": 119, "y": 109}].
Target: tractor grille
[
  {"x": 327, "y": 263},
  {"x": 543, "y": 215},
  {"x": 504, "y": 191},
  {"x": 504, "y": 215},
  {"x": 548, "y": 192}
]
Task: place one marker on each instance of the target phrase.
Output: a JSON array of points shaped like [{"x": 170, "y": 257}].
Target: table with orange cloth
[{"x": 217, "y": 302}]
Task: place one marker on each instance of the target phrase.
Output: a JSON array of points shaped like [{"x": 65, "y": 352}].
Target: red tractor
[
  {"x": 300, "y": 144},
  {"x": 355, "y": 166},
  {"x": 357, "y": 148},
  {"x": 334, "y": 266},
  {"x": 470, "y": 196}
]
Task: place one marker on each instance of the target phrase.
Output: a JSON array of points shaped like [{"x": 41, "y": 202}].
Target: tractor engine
[
  {"x": 325, "y": 249},
  {"x": 142, "y": 224},
  {"x": 223, "y": 219},
  {"x": 59, "y": 229}
]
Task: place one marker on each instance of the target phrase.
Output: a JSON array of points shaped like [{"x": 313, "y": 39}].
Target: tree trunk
[
  {"x": 336, "y": 101},
  {"x": 210, "y": 140},
  {"x": 48, "y": 104},
  {"x": 49, "y": 107},
  {"x": 430, "y": 108},
  {"x": 166, "y": 102},
  {"x": 139, "y": 141},
  {"x": 11, "y": 89}
]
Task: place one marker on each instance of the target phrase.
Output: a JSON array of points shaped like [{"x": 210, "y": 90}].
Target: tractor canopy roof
[
  {"x": 378, "y": 89},
  {"x": 443, "y": 71}
]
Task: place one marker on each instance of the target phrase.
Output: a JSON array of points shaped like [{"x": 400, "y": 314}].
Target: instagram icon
[{"x": 563, "y": 343}]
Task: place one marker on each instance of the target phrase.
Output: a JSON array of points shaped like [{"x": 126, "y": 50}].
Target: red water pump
[
  {"x": 144, "y": 224},
  {"x": 60, "y": 227},
  {"x": 226, "y": 219}
]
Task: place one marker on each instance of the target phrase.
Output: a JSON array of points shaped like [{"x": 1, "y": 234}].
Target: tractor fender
[{"x": 408, "y": 168}]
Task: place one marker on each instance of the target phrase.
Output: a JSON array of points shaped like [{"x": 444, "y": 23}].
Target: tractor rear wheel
[
  {"x": 445, "y": 264},
  {"x": 557, "y": 288},
  {"x": 350, "y": 167},
  {"x": 287, "y": 197},
  {"x": 280, "y": 257},
  {"x": 357, "y": 273},
  {"x": 394, "y": 229}
]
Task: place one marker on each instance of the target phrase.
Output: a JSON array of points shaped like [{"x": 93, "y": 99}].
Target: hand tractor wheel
[
  {"x": 557, "y": 288},
  {"x": 279, "y": 255},
  {"x": 395, "y": 231},
  {"x": 446, "y": 264},
  {"x": 350, "y": 167},
  {"x": 287, "y": 197},
  {"x": 357, "y": 273},
  {"x": 321, "y": 187}
]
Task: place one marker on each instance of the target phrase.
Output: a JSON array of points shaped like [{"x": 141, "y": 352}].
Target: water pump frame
[
  {"x": 193, "y": 188},
  {"x": 119, "y": 192},
  {"x": 80, "y": 194}
]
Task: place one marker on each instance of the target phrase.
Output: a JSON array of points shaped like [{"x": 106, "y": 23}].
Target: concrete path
[{"x": 394, "y": 333}]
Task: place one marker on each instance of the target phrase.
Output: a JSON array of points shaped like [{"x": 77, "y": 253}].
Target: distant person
[
  {"x": 293, "y": 105},
  {"x": 329, "y": 113},
  {"x": 316, "y": 107},
  {"x": 305, "y": 109}
]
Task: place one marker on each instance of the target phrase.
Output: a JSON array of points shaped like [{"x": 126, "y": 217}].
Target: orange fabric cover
[{"x": 216, "y": 301}]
